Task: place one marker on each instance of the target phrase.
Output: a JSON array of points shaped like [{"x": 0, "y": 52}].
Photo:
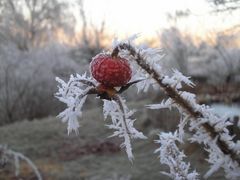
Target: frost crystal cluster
[
  {"x": 173, "y": 157},
  {"x": 122, "y": 123},
  {"x": 74, "y": 93}
]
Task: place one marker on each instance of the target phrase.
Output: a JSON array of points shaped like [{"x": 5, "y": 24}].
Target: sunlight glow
[{"x": 147, "y": 17}]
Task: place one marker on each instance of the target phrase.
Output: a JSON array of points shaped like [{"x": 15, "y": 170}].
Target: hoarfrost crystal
[
  {"x": 73, "y": 94},
  {"x": 173, "y": 157},
  {"x": 122, "y": 123}
]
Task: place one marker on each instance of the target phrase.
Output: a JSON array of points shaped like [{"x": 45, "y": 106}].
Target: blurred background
[{"x": 42, "y": 39}]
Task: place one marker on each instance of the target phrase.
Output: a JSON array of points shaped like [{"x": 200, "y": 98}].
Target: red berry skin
[{"x": 110, "y": 71}]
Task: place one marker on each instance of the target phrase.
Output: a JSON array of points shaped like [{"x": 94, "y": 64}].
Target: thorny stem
[
  {"x": 173, "y": 93},
  {"x": 118, "y": 99},
  {"x": 176, "y": 166}
]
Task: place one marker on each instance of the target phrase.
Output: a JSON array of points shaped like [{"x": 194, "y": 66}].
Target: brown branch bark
[{"x": 174, "y": 94}]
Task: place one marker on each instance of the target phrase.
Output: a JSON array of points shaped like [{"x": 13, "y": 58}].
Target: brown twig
[{"x": 174, "y": 94}]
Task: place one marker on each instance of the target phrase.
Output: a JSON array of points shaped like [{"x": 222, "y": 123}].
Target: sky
[{"x": 147, "y": 17}]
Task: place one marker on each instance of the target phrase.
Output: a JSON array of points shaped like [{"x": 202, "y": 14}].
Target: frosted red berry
[{"x": 110, "y": 71}]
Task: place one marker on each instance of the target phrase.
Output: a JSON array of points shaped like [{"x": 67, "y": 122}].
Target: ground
[{"x": 90, "y": 155}]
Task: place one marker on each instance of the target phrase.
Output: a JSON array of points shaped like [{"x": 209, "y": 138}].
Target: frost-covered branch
[
  {"x": 6, "y": 154},
  {"x": 122, "y": 123},
  {"x": 208, "y": 128},
  {"x": 173, "y": 157}
]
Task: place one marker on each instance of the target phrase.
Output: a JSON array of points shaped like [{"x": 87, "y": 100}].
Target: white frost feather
[
  {"x": 73, "y": 94},
  {"x": 122, "y": 124},
  {"x": 171, "y": 156}
]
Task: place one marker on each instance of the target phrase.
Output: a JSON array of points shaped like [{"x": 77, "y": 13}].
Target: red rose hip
[{"x": 110, "y": 71}]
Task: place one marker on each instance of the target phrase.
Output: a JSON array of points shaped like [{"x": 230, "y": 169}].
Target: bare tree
[
  {"x": 178, "y": 15},
  {"x": 29, "y": 23},
  {"x": 176, "y": 48},
  {"x": 24, "y": 76},
  {"x": 92, "y": 36}
]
